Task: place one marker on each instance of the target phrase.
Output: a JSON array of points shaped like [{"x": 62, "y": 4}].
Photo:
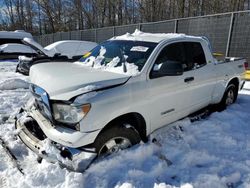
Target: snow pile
[
  {"x": 127, "y": 68},
  {"x": 24, "y": 58},
  {"x": 13, "y": 84},
  {"x": 52, "y": 152},
  {"x": 13, "y": 94},
  {"x": 96, "y": 62},
  {"x": 209, "y": 153},
  {"x": 246, "y": 88}
]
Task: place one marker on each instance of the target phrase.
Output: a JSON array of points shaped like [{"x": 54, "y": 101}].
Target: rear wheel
[
  {"x": 116, "y": 138},
  {"x": 229, "y": 97}
]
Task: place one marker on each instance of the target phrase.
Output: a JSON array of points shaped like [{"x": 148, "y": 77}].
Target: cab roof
[{"x": 151, "y": 37}]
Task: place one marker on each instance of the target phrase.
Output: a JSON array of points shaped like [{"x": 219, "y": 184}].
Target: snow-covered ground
[{"x": 209, "y": 153}]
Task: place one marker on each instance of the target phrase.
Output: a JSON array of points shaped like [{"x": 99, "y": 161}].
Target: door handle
[{"x": 189, "y": 79}]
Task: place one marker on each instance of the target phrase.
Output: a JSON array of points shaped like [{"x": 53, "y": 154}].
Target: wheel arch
[
  {"x": 236, "y": 82},
  {"x": 136, "y": 119}
]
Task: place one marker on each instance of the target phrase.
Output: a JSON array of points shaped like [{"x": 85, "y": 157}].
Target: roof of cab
[{"x": 151, "y": 37}]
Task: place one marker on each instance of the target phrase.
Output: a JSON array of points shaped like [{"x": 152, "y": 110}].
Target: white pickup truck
[{"x": 120, "y": 92}]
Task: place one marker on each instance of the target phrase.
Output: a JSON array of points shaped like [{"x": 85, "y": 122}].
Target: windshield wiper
[
  {"x": 124, "y": 67},
  {"x": 124, "y": 57}
]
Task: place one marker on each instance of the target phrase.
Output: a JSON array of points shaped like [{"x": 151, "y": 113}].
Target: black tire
[
  {"x": 17, "y": 68},
  {"x": 229, "y": 97},
  {"x": 120, "y": 132}
]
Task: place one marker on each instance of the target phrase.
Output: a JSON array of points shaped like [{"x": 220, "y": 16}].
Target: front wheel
[
  {"x": 17, "y": 68},
  {"x": 116, "y": 138}
]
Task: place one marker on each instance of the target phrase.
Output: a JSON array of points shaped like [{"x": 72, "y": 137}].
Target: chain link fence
[{"x": 229, "y": 33}]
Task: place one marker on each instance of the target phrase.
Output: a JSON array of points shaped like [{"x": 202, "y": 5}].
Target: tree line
[{"x": 50, "y": 16}]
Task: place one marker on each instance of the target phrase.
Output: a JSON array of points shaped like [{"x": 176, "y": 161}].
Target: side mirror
[{"x": 167, "y": 68}]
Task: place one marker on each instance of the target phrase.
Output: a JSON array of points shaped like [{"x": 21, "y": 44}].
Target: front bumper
[{"x": 34, "y": 138}]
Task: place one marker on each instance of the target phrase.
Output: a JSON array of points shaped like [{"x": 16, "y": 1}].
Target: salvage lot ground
[{"x": 214, "y": 152}]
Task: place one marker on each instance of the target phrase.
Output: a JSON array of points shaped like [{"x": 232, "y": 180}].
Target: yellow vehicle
[
  {"x": 247, "y": 75},
  {"x": 247, "y": 72}
]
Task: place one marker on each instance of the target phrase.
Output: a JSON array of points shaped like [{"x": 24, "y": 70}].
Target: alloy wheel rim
[
  {"x": 230, "y": 97},
  {"x": 114, "y": 145}
]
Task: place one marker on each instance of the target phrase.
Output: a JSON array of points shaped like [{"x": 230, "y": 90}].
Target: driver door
[{"x": 170, "y": 95}]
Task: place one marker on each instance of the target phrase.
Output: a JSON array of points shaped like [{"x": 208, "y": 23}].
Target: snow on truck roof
[{"x": 151, "y": 37}]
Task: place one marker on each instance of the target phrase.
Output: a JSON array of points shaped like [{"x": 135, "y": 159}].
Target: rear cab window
[{"x": 195, "y": 54}]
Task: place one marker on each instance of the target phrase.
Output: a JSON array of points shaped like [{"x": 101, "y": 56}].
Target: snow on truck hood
[{"x": 62, "y": 81}]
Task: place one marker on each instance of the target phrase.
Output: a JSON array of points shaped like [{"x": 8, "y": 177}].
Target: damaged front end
[
  {"x": 76, "y": 159},
  {"x": 30, "y": 124}
]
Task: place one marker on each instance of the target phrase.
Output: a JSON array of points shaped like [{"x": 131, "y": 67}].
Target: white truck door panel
[
  {"x": 169, "y": 95},
  {"x": 169, "y": 99}
]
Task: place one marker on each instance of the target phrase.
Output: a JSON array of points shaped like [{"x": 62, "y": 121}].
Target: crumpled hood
[{"x": 62, "y": 80}]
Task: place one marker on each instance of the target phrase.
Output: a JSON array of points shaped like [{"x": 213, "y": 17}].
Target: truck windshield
[{"x": 119, "y": 56}]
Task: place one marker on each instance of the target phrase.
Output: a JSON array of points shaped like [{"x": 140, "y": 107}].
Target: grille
[
  {"x": 41, "y": 101},
  {"x": 34, "y": 129}
]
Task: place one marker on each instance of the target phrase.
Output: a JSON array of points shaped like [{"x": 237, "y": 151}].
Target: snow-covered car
[
  {"x": 67, "y": 50},
  {"x": 7, "y": 37},
  {"x": 11, "y": 44},
  {"x": 13, "y": 50},
  {"x": 121, "y": 92}
]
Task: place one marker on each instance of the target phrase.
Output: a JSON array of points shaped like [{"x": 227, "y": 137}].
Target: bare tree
[{"x": 49, "y": 16}]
